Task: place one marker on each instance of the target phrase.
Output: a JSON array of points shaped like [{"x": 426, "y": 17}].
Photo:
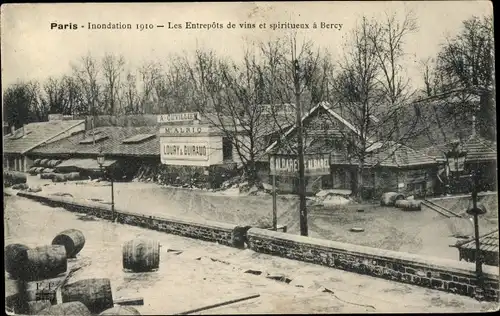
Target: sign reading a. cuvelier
[
  {"x": 178, "y": 117},
  {"x": 315, "y": 165}
]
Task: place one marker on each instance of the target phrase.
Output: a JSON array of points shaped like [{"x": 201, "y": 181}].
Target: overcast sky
[{"x": 31, "y": 50}]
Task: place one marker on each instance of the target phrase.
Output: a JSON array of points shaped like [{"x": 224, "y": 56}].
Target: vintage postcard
[{"x": 249, "y": 158}]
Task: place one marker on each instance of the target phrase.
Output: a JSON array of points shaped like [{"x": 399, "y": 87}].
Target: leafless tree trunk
[
  {"x": 87, "y": 75},
  {"x": 150, "y": 73},
  {"x": 112, "y": 67}
]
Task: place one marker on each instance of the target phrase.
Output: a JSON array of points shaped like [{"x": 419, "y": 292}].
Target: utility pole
[{"x": 300, "y": 152}]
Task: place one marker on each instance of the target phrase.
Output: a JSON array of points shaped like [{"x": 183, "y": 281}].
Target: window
[{"x": 227, "y": 149}]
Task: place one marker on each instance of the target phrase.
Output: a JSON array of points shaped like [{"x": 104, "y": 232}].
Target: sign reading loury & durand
[
  {"x": 184, "y": 151},
  {"x": 289, "y": 165},
  {"x": 183, "y": 130},
  {"x": 178, "y": 117}
]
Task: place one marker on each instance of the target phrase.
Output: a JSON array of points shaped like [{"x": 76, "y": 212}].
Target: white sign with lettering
[
  {"x": 178, "y": 117},
  {"x": 184, "y": 151},
  {"x": 183, "y": 130},
  {"x": 288, "y": 165}
]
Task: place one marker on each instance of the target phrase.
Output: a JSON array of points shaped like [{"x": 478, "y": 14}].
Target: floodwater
[{"x": 200, "y": 273}]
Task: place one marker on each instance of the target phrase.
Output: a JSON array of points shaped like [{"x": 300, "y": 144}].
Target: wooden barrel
[
  {"x": 34, "y": 307},
  {"x": 411, "y": 205},
  {"x": 94, "y": 293},
  {"x": 14, "y": 258},
  {"x": 59, "y": 177},
  {"x": 32, "y": 171},
  {"x": 67, "y": 309},
  {"x": 47, "y": 175},
  {"x": 390, "y": 198},
  {"x": 73, "y": 176},
  {"x": 121, "y": 310},
  {"x": 72, "y": 239},
  {"x": 36, "y": 163},
  {"x": 44, "y": 163},
  {"x": 141, "y": 255},
  {"x": 45, "y": 262},
  {"x": 14, "y": 177}
]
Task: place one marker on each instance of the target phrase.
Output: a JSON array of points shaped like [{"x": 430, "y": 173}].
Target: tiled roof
[
  {"x": 389, "y": 154},
  {"x": 488, "y": 242},
  {"x": 113, "y": 145},
  {"x": 477, "y": 149},
  {"x": 36, "y": 134}
]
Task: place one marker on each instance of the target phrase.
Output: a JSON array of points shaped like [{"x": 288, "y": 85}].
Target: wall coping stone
[{"x": 425, "y": 261}]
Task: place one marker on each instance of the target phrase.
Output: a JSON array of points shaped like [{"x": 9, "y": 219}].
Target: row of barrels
[
  {"x": 398, "y": 200},
  {"x": 61, "y": 177},
  {"x": 22, "y": 262},
  {"x": 42, "y": 262},
  {"x": 46, "y": 163}
]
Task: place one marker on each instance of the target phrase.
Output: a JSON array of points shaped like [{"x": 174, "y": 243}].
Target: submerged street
[{"x": 198, "y": 273}]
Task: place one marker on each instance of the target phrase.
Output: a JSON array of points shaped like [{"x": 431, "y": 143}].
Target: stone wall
[
  {"x": 441, "y": 274},
  {"x": 221, "y": 233}
]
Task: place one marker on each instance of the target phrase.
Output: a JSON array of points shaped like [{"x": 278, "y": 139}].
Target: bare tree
[
  {"x": 150, "y": 73},
  {"x": 466, "y": 64},
  {"x": 21, "y": 104},
  {"x": 87, "y": 76},
  {"x": 54, "y": 95},
  {"x": 112, "y": 67},
  {"x": 131, "y": 95},
  {"x": 388, "y": 38}
]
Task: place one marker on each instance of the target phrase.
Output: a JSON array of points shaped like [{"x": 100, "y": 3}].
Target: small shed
[{"x": 488, "y": 244}]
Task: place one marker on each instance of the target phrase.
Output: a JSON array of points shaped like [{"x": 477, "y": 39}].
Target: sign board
[
  {"x": 315, "y": 165},
  {"x": 198, "y": 151},
  {"x": 183, "y": 130},
  {"x": 178, "y": 117}
]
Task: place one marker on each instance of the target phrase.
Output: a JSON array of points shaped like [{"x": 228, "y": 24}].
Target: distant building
[
  {"x": 389, "y": 166},
  {"x": 18, "y": 143}
]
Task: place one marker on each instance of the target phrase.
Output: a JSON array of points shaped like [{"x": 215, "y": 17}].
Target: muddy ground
[{"x": 206, "y": 273}]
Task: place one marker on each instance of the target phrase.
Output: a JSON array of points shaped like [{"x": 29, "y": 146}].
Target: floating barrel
[
  {"x": 410, "y": 205},
  {"x": 37, "y": 162},
  {"x": 34, "y": 307},
  {"x": 94, "y": 293},
  {"x": 47, "y": 175},
  {"x": 121, "y": 310},
  {"x": 141, "y": 255},
  {"x": 15, "y": 257},
  {"x": 69, "y": 309},
  {"x": 390, "y": 198},
  {"x": 72, "y": 239},
  {"x": 45, "y": 262}
]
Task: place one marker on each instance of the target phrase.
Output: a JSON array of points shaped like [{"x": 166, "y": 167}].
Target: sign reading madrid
[
  {"x": 178, "y": 117},
  {"x": 183, "y": 130}
]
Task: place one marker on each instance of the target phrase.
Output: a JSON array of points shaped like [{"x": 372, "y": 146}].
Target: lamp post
[
  {"x": 475, "y": 211},
  {"x": 100, "y": 160},
  {"x": 455, "y": 160}
]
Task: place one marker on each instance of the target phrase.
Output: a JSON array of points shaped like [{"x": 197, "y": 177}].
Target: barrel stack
[
  {"x": 141, "y": 255},
  {"x": 409, "y": 205}
]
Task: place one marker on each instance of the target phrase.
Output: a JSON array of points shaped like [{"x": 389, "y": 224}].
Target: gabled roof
[
  {"x": 326, "y": 106},
  {"x": 112, "y": 145},
  {"x": 35, "y": 134},
  {"x": 392, "y": 154},
  {"x": 477, "y": 149}
]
